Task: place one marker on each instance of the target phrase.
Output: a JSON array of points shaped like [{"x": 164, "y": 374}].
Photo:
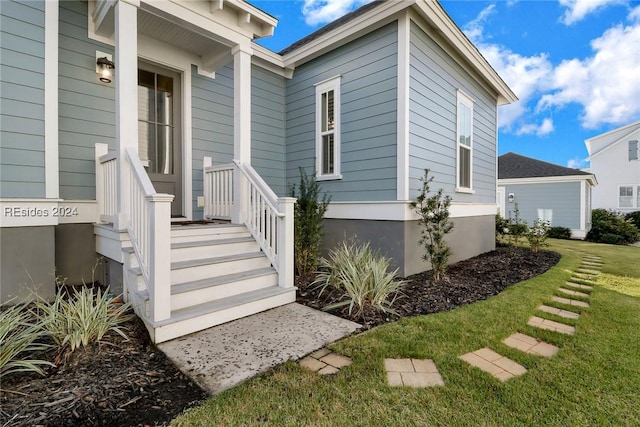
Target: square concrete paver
[
  {"x": 573, "y": 293},
  {"x": 579, "y": 286},
  {"x": 417, "y": 373},
  {"x": 587, "y": 271},
  {"x": 325, "y": 362},
  {"x": 530, "y": 345},
  {"x": 550, "y": 325},
  {"x": 571, "y": 302},
  {"x": 559, "y": 312},
  {"x": 494, "y": 363}
]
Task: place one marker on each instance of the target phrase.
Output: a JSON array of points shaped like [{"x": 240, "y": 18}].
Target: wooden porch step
[
  {"x": 191, "y": 250},
  {"x": 203, "y": 316},
  {"x": 190, "y": 233}
]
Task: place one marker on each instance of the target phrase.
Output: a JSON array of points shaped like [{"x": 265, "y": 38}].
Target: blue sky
[{"x": 574, "y": 64}]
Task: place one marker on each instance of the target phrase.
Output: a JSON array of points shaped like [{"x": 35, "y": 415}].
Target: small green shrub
[
  {"x": 433, "y": 213},
  {"x": 537, "y": 234},
  {"x": 611, "y": 227},
  {"x": 634, "y": 217},
  {"x": 20, "y": 337},
  {"x": 308, "y": 215},
  {"x": 363, "y": 275},
  {"x": 81, "y": 318},
  {"x": 560, "y": 233},
  {"x": 502, "y": 228}
]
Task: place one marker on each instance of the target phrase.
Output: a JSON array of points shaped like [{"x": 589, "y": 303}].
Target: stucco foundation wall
[
  {"x": 470, "y": 236},
  {"x": 400, "y": 240},
  {"x": 76, "y": 254},
  {"x": 27, "y": 263}
]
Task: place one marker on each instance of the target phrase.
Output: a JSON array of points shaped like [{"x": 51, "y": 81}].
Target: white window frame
[
  {"x": 462, "y": 99},
  {"x": 332, "y": 84},
  {"x": 634, "y": 196}
]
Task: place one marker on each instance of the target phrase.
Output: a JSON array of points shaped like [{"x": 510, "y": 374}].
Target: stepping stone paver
[
  {"x": 587, "y": 271},
  {"x": 579, "y": 286},
  {"x": 324, "y": 361},
  {"x": 417, "y": 373},
  {"x": 550, "y": 325},
  {"x": 572, "y": 302},
  {"x": 494, "y": 363},
  {"x": 573, "y": 293},
  {"x": 531, "y": 345},
  {"x": 559, "y": 312}
]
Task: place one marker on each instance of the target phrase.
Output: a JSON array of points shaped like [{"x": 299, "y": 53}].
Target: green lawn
[{"x": 593, "y": 381}]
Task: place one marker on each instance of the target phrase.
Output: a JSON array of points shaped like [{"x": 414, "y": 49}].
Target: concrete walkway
[{"x": 222, "y": 357}]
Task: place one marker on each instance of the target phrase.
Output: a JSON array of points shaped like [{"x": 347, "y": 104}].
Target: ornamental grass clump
[
  {"x": 20, "y": 341},
  {"x": 81, "y": 318},
  {"x": 363, "y": 275}
]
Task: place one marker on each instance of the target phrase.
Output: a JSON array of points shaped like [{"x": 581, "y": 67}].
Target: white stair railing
[
  {"x": 268, "y": 218},
  {"x": 218, "y": 190},
  {"x": 149, "y": 228},
  {"x": 106, "y": 183}
]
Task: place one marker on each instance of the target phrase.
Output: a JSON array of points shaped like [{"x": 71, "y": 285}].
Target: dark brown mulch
[
  {"x": 467, "y": 281},
  {"x": 113, "y": 383}
]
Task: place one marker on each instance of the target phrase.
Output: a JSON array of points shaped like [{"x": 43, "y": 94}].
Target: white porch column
[
  {"x": 126, "y": 84},
  {"x": 241, "y": 126}
]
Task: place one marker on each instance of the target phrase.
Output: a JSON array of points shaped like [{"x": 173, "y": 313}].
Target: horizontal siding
[
  {"x": 368, "y": 70},
  {"x": 268, "y": 148},
  {"x": 435, "y": 78},
  {"x": 22, "y": 137},
  {"x": 212, "y": 124},
  {"x": 562, "y": 198},
  {"x": 86, "y": 106}
]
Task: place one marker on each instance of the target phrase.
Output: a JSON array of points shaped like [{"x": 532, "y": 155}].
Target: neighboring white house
[
  {"x": 615, "y": 161},
  {"x": 546, "y": 191}
]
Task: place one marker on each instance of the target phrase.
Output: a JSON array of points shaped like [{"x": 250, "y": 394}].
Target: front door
[{"x": 159, "y": 130}]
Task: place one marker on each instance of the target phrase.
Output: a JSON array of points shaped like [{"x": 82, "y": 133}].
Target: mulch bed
[
  {"x": 112, "y": 383},
  {"x": 466, "y": 282},
  {"x": 131, "y": 383}
]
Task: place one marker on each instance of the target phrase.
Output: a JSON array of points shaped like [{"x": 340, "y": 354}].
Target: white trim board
[
  {"x": 400, "y": 210},
  {"x": 51, "y": 161},
  {"x": 404, "y": 80},
  {"x": 43, "y": 212},
  {"x": 547, "y": 179}
]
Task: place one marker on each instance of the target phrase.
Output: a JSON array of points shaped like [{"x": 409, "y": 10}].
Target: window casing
[
  {"x": 625, "y": 196},
  {"x": 328, "y": 129},
  {"x": 464, "y": 143}
]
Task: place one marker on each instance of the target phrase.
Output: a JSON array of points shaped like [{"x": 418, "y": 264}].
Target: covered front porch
[{"x": 181, "y": 279}]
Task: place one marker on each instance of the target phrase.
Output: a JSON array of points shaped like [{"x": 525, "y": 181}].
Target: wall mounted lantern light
[
  {"x": 511, "y": 197},
  {"x": 104, "y": 65}
]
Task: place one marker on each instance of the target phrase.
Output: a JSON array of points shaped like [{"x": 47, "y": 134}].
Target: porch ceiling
[{"x": 168, "y": 32}]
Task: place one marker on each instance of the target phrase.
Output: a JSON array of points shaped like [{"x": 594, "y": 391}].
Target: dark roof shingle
[{"x": 512, "y": 165}]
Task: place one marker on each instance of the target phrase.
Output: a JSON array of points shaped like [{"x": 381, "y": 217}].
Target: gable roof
[
  {"x": 512, "y": 166},
  {"x": 372, "y": 15},
  {"x": 599, "y": 143}
]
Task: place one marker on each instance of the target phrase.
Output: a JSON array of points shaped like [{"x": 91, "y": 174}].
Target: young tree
[
  {"x": 308, "y": 215},
  {"x": 433, "y": 211}
]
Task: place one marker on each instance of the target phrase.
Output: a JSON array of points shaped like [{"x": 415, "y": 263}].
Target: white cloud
[
  {"x": 607, "y": 85},
  {"x": 577, "y": 163},
  {"x": 544, "y": 128},
  {"x": 318, "y": 12},
  {"x": 578, "y": 9},
  {"x": 527, "y": 76}
]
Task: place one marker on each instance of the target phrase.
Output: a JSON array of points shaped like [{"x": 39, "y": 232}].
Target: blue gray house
[
  {"x": 127, "y": 122},
  {"x": 546, "y": 191}
]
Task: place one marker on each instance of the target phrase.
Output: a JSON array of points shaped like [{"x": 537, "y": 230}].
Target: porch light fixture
[
  {"x": 104, "y": 65},
  {"x": 512, "y": 197}
]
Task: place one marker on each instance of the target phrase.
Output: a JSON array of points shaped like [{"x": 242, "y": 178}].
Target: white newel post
[
  {"x": 241, "y": 128},
  {"x": 285, "y": 242},
  {"x": 100, "y": 150},
  {"x": 206, "y": 187},
  {"x": 160, "y": 262},
  {"x": 126, "y": 85}
]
